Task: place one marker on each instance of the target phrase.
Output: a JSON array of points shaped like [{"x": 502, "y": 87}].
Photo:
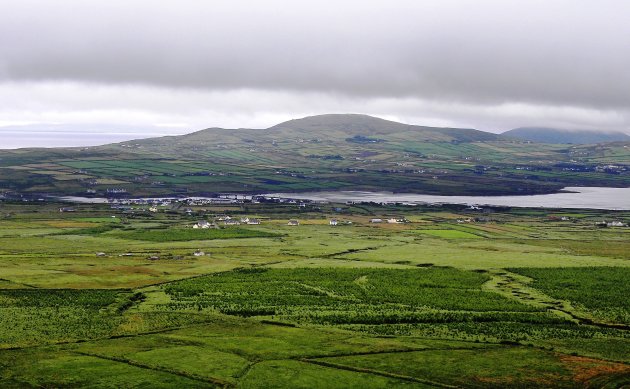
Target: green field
[{"x": 142, "y": 299}]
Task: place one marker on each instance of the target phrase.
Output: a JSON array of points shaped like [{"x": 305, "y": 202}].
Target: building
[
  {"x": 203, "y": 224},
  {"x": 333, "y": 222},
  {"x": 376, "y": 220},
  {"x": 293, "y": 222},
  {"x": 199, "y": 253},
  {"x": 253, "y": 222},
  {"x": 231, "y": 222}
]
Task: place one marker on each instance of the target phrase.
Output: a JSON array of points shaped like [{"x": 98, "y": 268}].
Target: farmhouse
[
  {"x": 67, "y": 209},
  {"x": 376, "y": 220},
  {"x": 333, "y": 222},
  {"x": 203, "y": 224},
  {"x": 393, "y": 220},
  {"x": 231, "y": 222},
  {"x": 253, "y": 222},
  {"x": 293, "y": 222},
  {"x": 199, "y": 253}
]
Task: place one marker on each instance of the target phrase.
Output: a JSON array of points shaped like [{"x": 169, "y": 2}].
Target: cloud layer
[{"x": 492, "y": 65}]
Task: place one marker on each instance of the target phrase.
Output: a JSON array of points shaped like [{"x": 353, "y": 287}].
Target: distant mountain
[
  {"x": 338, "y": 129},
  {"x": 316, "y": 153},
  {"x": 555, "y": 135}
]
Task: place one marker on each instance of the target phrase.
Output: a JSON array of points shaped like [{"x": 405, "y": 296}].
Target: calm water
[
  {"x": 53, "y": 135},
  {"x": 587, "y": 197}
]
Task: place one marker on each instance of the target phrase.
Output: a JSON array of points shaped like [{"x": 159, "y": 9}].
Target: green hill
[{"x": 325, "y": 152}]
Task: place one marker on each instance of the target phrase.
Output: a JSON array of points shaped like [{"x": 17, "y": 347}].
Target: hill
[
  {"x": 325, "y": 152},
  {"x": 559, "y": 136}
]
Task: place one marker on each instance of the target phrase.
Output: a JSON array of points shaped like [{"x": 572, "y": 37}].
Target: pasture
[{"x": 107, "y": 297}]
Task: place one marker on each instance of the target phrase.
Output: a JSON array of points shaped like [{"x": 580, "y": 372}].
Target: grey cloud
[{"x": 558, "y": 52}]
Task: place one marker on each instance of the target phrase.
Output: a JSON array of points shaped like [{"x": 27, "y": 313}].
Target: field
[{"x": 110, "y": 297}]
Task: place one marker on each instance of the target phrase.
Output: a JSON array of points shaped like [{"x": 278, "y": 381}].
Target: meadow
[{"x": 105, "y": 297}]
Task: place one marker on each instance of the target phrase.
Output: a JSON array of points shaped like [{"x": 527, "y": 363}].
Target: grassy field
[{"x": 140, "y": 299}]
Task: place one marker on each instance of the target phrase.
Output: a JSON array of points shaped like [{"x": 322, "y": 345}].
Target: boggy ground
[{"x": 518, "y": 298}]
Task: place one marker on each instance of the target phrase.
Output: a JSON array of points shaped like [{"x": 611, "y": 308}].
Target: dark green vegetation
[
  {"x": 522, "y": 298},
  {"x": 594, "y": 290},
  {"x": 325, "y": 152},
  {"x": 182, "y": 234}
]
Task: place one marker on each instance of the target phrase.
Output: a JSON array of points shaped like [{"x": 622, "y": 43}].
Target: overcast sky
[{"x": 188, "y": 65}]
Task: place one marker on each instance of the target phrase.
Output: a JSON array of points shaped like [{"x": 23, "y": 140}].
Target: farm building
[
  {"x": 333, "y": 222},
  {"x": 203, "y": 224},
  {"x": 253, "y": 222},
  {"x": 293, "y": 222},
  {"x": 232, "y": 222},
  {"x": 376, "y": 220}
]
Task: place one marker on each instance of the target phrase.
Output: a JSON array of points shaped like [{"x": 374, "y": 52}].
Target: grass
[
  {"x": 419, "y": 304},
  {"x": 601, "y": 291},
  {"x": 449, "y": 234},
  {"x": 181, "y": 234}
]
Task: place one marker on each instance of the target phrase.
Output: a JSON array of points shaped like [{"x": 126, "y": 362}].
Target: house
[
  {"x": 293, "y": 222},
  {"x": 393, "y": 220},
  {"x": 67, "y": 209},
  {"x": 376, "y": 220},
  {"x": 231, "y": 222},
  {"x": 203, "y": 224},
  {"x": 153, "y": 209},
  {"x": 245, "y": 220},
  {"x": 253, "y": 222},
  {"x": 615, "y": 224},
  {"x": 199, "y": 253},
  {"x": 101, "y": 254},
  {"x": 333, "y": 222}
]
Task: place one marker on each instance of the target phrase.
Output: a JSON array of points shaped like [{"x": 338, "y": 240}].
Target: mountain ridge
[{"x": 564, "y": 136}]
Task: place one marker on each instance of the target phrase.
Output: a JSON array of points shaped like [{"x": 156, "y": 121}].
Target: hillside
[
  {"x": 326, "y": 152},
  {"x": 559, "y": 136}
]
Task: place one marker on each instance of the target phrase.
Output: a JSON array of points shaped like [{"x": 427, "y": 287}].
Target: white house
[
  {"x": 333, "y": 222},
  {"x": 376, "y": 220},
  {"x": 293, "y": 222},
  {"x": 202, "y": 224}
]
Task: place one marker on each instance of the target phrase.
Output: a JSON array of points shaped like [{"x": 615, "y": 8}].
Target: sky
[{"x": 179, "y": 66}]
